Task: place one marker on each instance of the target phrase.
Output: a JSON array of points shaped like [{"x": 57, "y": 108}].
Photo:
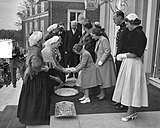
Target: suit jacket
[{"x": 71, "y": 39}]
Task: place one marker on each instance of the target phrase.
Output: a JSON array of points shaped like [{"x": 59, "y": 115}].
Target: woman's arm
[{"x": 106, "y": 48}]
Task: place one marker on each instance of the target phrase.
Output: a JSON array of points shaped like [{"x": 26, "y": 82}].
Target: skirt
[
  {"x": 131, "y": 87},
  {"x": 34, "y": 101},
  {"x": 90, "y": 77}
]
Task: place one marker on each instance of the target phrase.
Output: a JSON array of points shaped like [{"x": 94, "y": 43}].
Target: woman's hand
[
  {"x": 100, "y": 63},
  {"x": 45, "y": 68},
  {"x": 66, "y": 70},
  {"x": 120, "y": 57},
  {"x": 73, "y": 70}
]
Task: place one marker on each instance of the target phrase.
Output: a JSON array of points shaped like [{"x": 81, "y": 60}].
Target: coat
[
  {"x": 107, "y": 70},
  {"x": 70, "y": 40}
]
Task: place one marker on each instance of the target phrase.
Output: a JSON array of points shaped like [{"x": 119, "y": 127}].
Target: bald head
[{"x": 73, "y": 24}]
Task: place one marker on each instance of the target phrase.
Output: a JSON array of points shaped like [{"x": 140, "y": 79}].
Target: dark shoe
[
  {"x": 119, "y": 107},
  {"x": 114, "y": 103},
  {"x": 70, "y": 75},
  {"x": 14, "y": 86}
]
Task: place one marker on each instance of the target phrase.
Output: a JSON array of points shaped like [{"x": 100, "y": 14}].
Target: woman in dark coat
[
  {"x": 87, "y": 41},
  {"x": 34, "y": 101},
  {"x": 131, "y": 87}
]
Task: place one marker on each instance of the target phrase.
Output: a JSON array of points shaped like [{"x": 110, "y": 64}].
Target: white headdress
[
  {"x": 35, "y": 37},
  {"x": 132, "y": 16},
  {"x": 51, "y": 40},
  {"x": 52, "y": 27}
]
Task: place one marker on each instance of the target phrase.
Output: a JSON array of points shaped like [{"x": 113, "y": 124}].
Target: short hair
[
  {"x": 87, "y": 24},
  {"x": 119, "y": 13},
  {"x": 77, "y": 47},
  {"x": 97, "y": 31}
]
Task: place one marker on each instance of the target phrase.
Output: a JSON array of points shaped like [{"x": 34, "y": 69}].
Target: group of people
[
  {"x": 11, "y": 67},
  {"x": 85, "y": 51}
]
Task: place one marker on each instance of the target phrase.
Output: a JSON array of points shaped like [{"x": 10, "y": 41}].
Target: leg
[
  {"x": 21, "y": 72},
  {"x": 131, "y": 114},
  {"x": 118, "y": 65},
  {"x": 86, "y": 95},
  {"x": 131, "y": 110},
  {"x": 102, "y": 94},
  {"x": 13, "y": 76}
]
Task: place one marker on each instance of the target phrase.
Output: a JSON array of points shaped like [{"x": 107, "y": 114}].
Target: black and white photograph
[{"x": 79, "y": 64}]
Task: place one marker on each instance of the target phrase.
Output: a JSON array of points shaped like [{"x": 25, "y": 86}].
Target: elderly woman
[
  {"x": 49, "y": 56},
  {"x": 34, "y": 101},
  {"x": 131, "y": 87}
]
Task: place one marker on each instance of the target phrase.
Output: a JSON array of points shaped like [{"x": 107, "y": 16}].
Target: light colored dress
[
  {"x": 90, "y": 75},
  {"x": 107, "y": 70},
  {"x": 131, "y": 89}
]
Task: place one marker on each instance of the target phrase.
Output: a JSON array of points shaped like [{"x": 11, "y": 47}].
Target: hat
[
  {"x": 133, "y": 19},
  {"x": 97, "y": 23},
  {"x": 35, "y": 37},
  {"x": 131, "y": 16},
  {"x": 52, "y": 27},
  {"x": 52, "y": 40}
]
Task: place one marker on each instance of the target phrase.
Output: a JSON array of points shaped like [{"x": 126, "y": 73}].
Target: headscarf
[
  {"x": 133, "y": 19},
  {"x": 47, "y": 52},
  {"x": 51, "y": 41},
  {"x": 52, "y": 27},
  {"x": 35, "y": 37}
]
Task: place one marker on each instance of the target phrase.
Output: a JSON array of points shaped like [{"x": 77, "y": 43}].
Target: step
[{"x": 154, "y": 81}]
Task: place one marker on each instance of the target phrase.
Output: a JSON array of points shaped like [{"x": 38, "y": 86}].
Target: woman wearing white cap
[
  {"x": 34, "y": 101},
  {"x": 131, "y": 87},
  {"x": 49, "y": 56}
]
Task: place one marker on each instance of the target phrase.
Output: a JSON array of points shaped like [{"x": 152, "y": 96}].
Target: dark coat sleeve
[{"x": 137, "y": 43}]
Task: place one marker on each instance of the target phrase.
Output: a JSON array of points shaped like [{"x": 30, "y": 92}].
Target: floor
[{"x": 10, "y": 95}]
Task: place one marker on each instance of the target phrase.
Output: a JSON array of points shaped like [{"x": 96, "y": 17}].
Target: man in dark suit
[
  {"x": 72, "y": 37},
  {"x": 119, "y": 20}
]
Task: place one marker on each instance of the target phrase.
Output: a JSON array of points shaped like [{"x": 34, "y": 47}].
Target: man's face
[
  {"x": 116, "y": 19},
  {"x": 73, "y": 25}
]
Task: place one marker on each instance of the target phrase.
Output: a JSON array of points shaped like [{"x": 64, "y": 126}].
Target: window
[
  {"x": 26, "y": 29},
  {"x": 35, "y": 25},
  {"x": 30, "y": 27},
  {"x": 73, "y": 15},
  {"x": 42, "y": 27}
]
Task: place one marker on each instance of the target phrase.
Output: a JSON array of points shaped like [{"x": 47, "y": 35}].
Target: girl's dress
[
  {"x": 34, "y": 101},
  {"x": 131, "y": 87},
  {"x": 107, "y": 69},
  {"x": 90, "y": 75}
]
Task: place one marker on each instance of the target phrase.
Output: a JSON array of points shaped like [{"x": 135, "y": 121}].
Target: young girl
[{"x": 90, "y": 75}]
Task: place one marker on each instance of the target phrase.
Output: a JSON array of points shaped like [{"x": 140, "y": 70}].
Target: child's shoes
[
  {"x": 86, "y": 100},
  {"x": 82, "y": 98}
]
